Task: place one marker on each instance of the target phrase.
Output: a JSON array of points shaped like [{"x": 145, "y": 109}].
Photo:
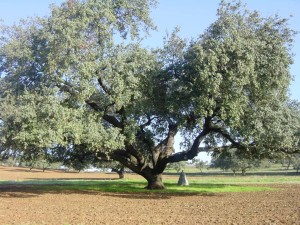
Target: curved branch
[
  {"x": 113, "y": 121},
  {"x": 222, "y": 131},
  {"x": 93, "y": 105},
  {"x": 192, "y": 153},
  {"x": 168, "y": 148},
  {"x": 194, "y": 150},
  {"x": 120, "y": 156},
  {"x": 103, "y": 86},
  {"x": 215, "y": 149},
  {"x": 148, "y": 123},
  {"x": 136, "y": 154}
]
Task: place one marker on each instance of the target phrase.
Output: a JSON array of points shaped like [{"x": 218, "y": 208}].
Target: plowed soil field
[{"x": 23, "y": 205}]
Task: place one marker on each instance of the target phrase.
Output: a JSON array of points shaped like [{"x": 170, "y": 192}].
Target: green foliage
[
  {"x": 233, "y": 64},
  {"x": 230, "y": 160},
  {"x": 199, "y": 164},
  {"x": 44, "y": 99},
  {"x": 178, "y": 166}
]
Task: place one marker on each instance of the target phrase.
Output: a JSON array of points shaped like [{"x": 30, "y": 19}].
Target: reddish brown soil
[{"x": 23, "y": 205}]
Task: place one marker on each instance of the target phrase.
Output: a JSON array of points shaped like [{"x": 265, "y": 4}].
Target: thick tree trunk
[
  {"x": 243, "y": 172},
  {"x": 155, "y": 182},
  {"x": 121, "y": 174}
]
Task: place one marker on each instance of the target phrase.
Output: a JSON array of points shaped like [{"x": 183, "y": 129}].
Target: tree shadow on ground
[
  {"x": 154, "y": 195},
  {"x": 27, "y": 170},
  {"x": 73, "y": 179},
  {"x": 129, "y": 190},
  {"x": 35, "y": 170}
]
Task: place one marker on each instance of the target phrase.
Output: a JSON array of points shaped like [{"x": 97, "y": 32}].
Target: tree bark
[
  {"x": 155, "y": 182},
  {"x": 243, "y": 172},
  {"x": 119, "y": 171},
  {"x": 121, "y": 174}
]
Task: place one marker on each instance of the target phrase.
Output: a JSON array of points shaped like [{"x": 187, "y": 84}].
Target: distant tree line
[{"x": 230, "y": 161}]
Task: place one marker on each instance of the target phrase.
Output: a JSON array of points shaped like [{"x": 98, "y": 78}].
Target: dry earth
[{"x": 20, "y": 205}]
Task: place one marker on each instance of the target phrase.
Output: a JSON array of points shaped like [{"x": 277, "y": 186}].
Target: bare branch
[
  {"x": 168, "y": 148},
  {"x": 103, "y": 86},
  {"x": 226, "y": 134},
  {"x": 148, "y": 123},
  {"x": 93, "y": 105},
  {"x": 113, "y": 121}
]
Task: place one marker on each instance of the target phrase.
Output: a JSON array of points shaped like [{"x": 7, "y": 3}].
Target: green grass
[
  {"x": 247, "y": 179},
  {"x": 198, "y": 184},
  {"x": 135, "y": 186}
]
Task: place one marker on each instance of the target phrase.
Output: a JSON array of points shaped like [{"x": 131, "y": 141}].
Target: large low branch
[
  {"x": 137, "y": 155},
  {"x": 215, "y": 149},
  {"x": 103, "y": 86},
  {"x": 287, "y": 151},
  {"x": 194, "y": 150},
  {"x": 169, "y": 147},
  {"x": 119, "y": 156},
  {"x": 225, "y": 134},
  {"x": 165, "y": 147},
  {"x": 156, "y": 151}
]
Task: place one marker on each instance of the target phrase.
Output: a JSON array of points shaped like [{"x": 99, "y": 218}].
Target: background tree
[
  {"x": 178, "y": 166},
  {"x": 231, "y": 160},
  {"x": 199, "y": 164},
  {"x": 68, "y": 83},
  {"x": 296, "y": 162}
]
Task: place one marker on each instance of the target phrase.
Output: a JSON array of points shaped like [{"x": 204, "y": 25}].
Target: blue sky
[{"x": 192, "y": 16}]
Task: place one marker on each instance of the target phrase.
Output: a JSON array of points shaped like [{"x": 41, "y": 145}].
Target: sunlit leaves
[
  {"x": 51, "y": 67},
  {"x": 43, "y": 121}
]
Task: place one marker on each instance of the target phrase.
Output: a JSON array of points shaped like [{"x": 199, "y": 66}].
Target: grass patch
[
  {"x": 247, "y": 179},
  {"x": 198, "y": 184},
  {"x": 134, "y": 186}
]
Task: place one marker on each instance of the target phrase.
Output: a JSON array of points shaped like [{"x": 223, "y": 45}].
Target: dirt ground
[{"x": 19, "y": 205}]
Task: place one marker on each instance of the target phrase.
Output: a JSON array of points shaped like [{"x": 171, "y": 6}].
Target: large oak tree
[{"x": 69, "y": 81}]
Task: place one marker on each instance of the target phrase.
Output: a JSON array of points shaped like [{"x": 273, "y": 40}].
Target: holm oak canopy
[{"x": 79, "y": 81}]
